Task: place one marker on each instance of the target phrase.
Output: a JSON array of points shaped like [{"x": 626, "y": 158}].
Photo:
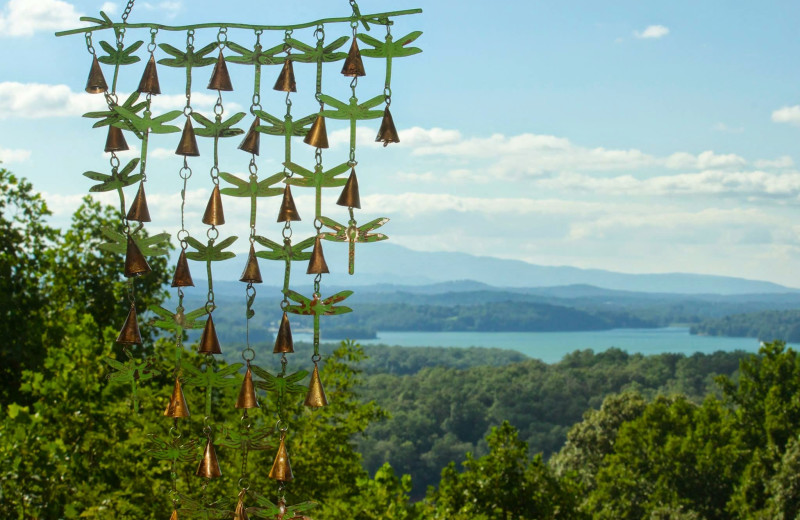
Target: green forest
[
  {"x": 765, "y": 325},
  {"x": 408, "y": 434}
]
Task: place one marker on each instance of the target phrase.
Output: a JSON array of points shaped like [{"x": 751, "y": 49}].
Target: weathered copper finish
[
  {"x": 214, "y": 216},
  {"x": 135, "y": 262},
  {"x": 138, "y": 210},
  {"x": 252, "y": 141},
  {"x": 115, "y": 140},
  {"x": 182, "y": 277},
  {"x": 177, "y": 403},
  {"x": 251, "y": 273},
  {"x": 129, "y": 334},
  {"x": 281, "y": 469},
  {"x": 285, "y": 82},
  {"x": 96, "y": 82},
  {"x": 288, "y": 211},
  {"x": 316, "y": 398},
  {"x": 149, "y": 82},
  {"x": 220, "y": 79},
  {"x": 209, "y": 342},
  {"x": 209, "y": 465},
  {"x": 247, "y": 393},
  {"x": 317, "y": 135},
  {"x": 353, "y": 66},
  {"x": 317, "y": 264},
  {"x": 387, "y": 132},
  {"x": 349, "y": 196},
  {"x": 240, "y": 513},
  {"x": 188, "y": 143},
  {"x": 283, "y": 341}
]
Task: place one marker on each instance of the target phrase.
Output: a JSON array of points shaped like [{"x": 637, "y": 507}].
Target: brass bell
[
  {"x": 240, "y": 513},
  {"x": 281, "y": 469},
  {"x": 188, "y": 143},
  {"x": 353, "y": 66},
  {"x": 251, "y": 273},
  {"x": 349, "y": 197},
  {"x": 316, "y": 264},
  {"x": 174, "y": 515},
  {"x": 387, "y": 132},
  {"x": 149, "y": 82},
  {"x": 177, "y": 403},
  {"x": 182, "y": 277},
  {"x": 317, "y": 135},
  {"x": 315, "y": 398},
  {"x": 115, "y": 140},
  {"x": 209, "y": 465},
  {"x": 214, "y": 216},
  {"x": 252, "y": 141},
  {"x": 247, "y": 393},
  {"x": 209, "y": 342},
  {"x": 138, "y": 210},
  {"x": 129, "y": 334},
  {"x": 96, "y": 82},
  {"x": 285, "y": 82},
  {"x": 135, "y": 262},
  {"x": 220, "y": 79},
  {"x": 288, "y": 211},
  {"x": 283, "y": 341}
]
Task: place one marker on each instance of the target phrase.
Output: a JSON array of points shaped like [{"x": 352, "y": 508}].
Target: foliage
[{"x": 765, "y": 325}]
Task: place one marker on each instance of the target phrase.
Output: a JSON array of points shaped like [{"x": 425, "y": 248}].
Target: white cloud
[
  {"x": 706, "y": 160},
  {"x": 109, "y": 8},
  {"x": 166, "y": 9},
  {"x": 652, "y": 32},
  {"x": 789, "y": 115},
  {"x": 14, "y": 155},
  {"x": 161, "y": 153},
  {"x": 722, "y": 127},
  {"x": 25, "y": 17},
  {"x": 781, "y": 163},
  {"x": 36, "y": 100}
]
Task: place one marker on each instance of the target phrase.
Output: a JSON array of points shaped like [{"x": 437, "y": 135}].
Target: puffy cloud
[
  {"x": 26, "y": 17},
  {"x": 37, "y": 100},
  {"x": 14, "y": 155},
  {"x": 789, "y": 115},
  {"x": 781, "y": 163},
  {"x": 706, "y": 160},
  {"x": 652, "y": 32}
]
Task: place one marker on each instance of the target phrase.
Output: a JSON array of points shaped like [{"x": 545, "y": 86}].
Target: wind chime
[{"x": 134, "y": 116}]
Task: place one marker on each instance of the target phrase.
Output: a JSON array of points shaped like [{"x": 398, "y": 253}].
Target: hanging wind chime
[{"x": 134, "y": 116}]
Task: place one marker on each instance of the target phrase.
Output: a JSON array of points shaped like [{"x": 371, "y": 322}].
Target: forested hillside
[{"x": 766, "y": 326}]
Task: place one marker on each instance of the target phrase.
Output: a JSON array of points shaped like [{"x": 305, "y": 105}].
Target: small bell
[
  {"x": 252, "y": 140},
  {"x": 247, "y": 394},
  {"x": 288, "y": 211},
  {"x": 353, "y": 66},
  {"x": 135, "y": 262},
  {"x": 220, "y": 79},
  {"x": 209, "y": 465},
  {"x": 281, "y": 469},
  {"x": 96, "y": 82},
  {"x": 240, "y": 513},
  {"x": 317, "y": 135},
  {"x": 285, "y": 82},
  {"x": 283, "y": 341},
  {"x": 387, "y": 132},
  {"x": 177, "y": 403},
  {"x": 182, "y": 277},
  {"x": 315, "y": 398},
  {"x": 138, "y": 210},
  {"x": 209, "y": 342},
  {"x": 349, "y": 197},
  {"x": 149, "y": 81},
  {"x": 129, "y": 334},
  {"x": 187, "y": 146},
  {"x": 174, "y": 515},
  {"x": 251, "y": 273},
  {"x": 316, "y": 264},
  {"x": 214, "y": 216},
  {"x": 115, "y": 140}
]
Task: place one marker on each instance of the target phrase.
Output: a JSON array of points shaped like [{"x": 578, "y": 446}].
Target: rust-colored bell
[
  {"x": 288, "y": 211},
  {"x": 129, "y": 334},
  {"x": 135, "y": 262},
  {"x": 209, "y": 465},
  {"x": 285, "y": 82},
  {"x": 283, "y": 341},
  {"x": 188, "y": 143},
  {"x": 177, "y": 403},
  {"x": 247, "y": 393},
  {"x": 241, "y": 512},
  {"x": 251, "y": 273},
  {"x": 220, "y": 79},
  {"x": 349, "y": 197},
  {"x": 96, "y": 82},
  {"x": 317, "y": 135},
  {"x": 115, "y": 140},
  {"x": 252, "y": 141},
  {"x": 138, "y": 210},
  {"x": 174, "y": 515},
  {"x": 281, "y": 469},
  {"x": 316, "y": 398},
  {"x": 353, "y": 66},
  {"x": 387, "y": 133},
  {"x": 209, "y": 342},
  {"x": 316, "y": 264},
  {"x": 182, "y": 277},
  {"x": 214, "y": 216},
  {"x": 149, "y": 82}
]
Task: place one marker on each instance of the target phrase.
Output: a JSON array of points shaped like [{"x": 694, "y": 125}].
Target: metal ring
[
  {"x": 185, "y": 173},
  {"x": 174, "y": 433},
  {"x": 251, "y": 354},
  {"x": 316, "y": 358},
  {"x": 284, "y": 305},
  {"x": 212, "y": 233}
]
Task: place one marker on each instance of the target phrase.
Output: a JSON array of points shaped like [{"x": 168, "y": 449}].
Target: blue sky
[{"x": 631, "y": 136}]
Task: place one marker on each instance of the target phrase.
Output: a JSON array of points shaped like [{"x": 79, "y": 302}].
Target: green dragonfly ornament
[
  {"x": 317, "y": 307},
  {"x": 156, "y": 245},
  {"x": 117, "y": 180},
  {"x": 147, "y": 123},
  {"x": 119, "y": 56},
  {"x": 111, "y": 117},
  {"x": 210, "y": 379},
  {"x": 352, "y": 234},
  {"x": 190, "y": 58},
  {"x": 172, "y": 449},
  {"x": 132, "y": 371},
  {"x": 317, "y": 179},
  {"x": 318, "y": 54},
  {"x": 212, "y": 252},
  {"x": 281, "y": 385},
  {"x": 177, "y": 321},
  {"x": 221, "y": 509},
  {"x": 287, "y": 252},
  {"x": 217, "y": 129},
  {"x": 252, "y": 188},
  {"x": 266, "y": 509},
  {"x": 246, "y": 438},
  {"x": 256, "y": 56}
]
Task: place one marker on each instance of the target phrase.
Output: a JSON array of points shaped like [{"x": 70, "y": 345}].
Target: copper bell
[
  {"x": 251, "y": 273},
  {"x": 240, "y": 513},
  {"x": 214, "y": 216},
  {"x": 281, "y": 469},
  {"x": 288, "y": 211},
  {"x": 174, "y": 515},
  {"x": 135, "y": 262},
  {"x": 247, "y": 394},
  {"x": 283, "y": 341},
  {"x": 315, "y": 398},
  {"x": 209, "y": 465},
  {"x": 317, "y": 135},
  {"x": 316, "y": 264},
  {"x": 285, "y": 82},
  {"x": 115, "y": 140},
  {"x": 220, "y": 79},
  {"x": 96, "y": 82},
  {"x": 209, "y": 342},
  {"x": 138, "y": 210},
  {"x": 387, "y": 132},
  {"x": 252, "y": 141},
  {"x": 349, "y": 197},
  {"x": 149, "y": 81},
  {"x": 188, "y": 143},
  {"x": 182, "y": 277},
  {"x": 129, "y": 334},
  {"x": 177, "y": 403},
  {"x": 353, "y": 66}
]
